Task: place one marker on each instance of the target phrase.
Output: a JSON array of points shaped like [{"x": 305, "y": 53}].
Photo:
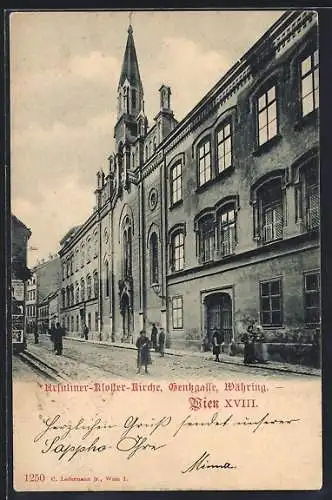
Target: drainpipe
[{"x": 100, "y": 278}]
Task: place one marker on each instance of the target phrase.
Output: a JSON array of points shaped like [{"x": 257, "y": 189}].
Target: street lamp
[{"x": 156, "y": 287}]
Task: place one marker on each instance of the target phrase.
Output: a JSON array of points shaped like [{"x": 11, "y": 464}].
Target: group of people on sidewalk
[
  {"x": 255, "y": 351},
  {"x": 144, "y": 344},
  {"x": 57, "y": 333}
]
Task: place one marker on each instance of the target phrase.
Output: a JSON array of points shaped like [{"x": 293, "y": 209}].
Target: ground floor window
[
  {"x": 177, "y": 312},
  {"x": 312, "y": 298},
  {"x": 89, "y": 321},
  {"x": 96, "y": 321},
  {"x": 270, "y": 302}
]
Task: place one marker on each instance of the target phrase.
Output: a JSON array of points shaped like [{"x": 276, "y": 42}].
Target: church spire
[{"x": 130, "y": 70}]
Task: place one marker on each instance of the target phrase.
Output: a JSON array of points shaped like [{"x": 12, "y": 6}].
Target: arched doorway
[
  {"x": 126, "y": 317},
  {"x": 218, "y": 314}
]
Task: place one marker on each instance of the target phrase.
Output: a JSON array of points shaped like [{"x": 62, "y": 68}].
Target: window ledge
[
  {"x": 176, "y": 204},
  {"x": 264, "y": 148},
  {"x": 303, "y": 121}
]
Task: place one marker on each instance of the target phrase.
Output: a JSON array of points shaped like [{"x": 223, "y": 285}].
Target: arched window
[
  {"x": 107, "y": 282},
  {"x": 176, "y": 183},
  {"x": 146, "y": 152},
  {"x": 82, "y": 289},
  {"x": 127, "y": 249},
  {"x": 154, "y": 264},
  {"x": 206, "y": 236},
  {"x": 154, "y": 144},
  {"x": 88, "y": 287},
  {"x": 88, "y": 250},
  {"x": 77, "y": 292},
  {"x": 95, "y": 283},
  {"x": 63, "y": 296},
  {"x": 177, "y": 250},
  {"x": 82, "y": 255}
]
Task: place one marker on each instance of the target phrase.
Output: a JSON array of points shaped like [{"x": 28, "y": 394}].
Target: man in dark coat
[
  {"x": 161, "y": 341},
  {"x": 86, "y": 332},
  {"x": 58, "y": 334},
  {"x": 217, "y": 340},
  {"x": 143, "y": 352},
  {"x": 154, "y": 335},
  {"x": 52, "y": 331}
]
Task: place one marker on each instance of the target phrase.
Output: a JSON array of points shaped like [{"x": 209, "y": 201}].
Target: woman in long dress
[{"x": 143, "y": 352}]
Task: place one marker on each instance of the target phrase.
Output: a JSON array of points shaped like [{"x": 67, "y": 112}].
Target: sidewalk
[{"x": 226, "y": 358}]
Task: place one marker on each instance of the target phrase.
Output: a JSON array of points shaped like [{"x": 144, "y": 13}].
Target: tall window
[
  {"x": 177, "y": 251},
  {"x": 95, "y": 244},
  {"x": 82, "y": 289},
  {"x": 88, "y": 287},
  {"x": 77, "y": 292},
  {"x": 177, "y": 312},
  {"x": 268, "y": 215},
  {"x": 63, "y": 296},
  {"x": 154, "y": 264},
  {"x": 176, "y": 183},
  {"x": 224, "y": 147},
  {"x": 312, "y": 198},
  {"x": 95, "y": 283},
  {"x": 89, "y": 321},
  {"x": 77, "y": 323},
  {"x": 88, "y": 250},
  {"x": 227, "y": 235},
  {"x": 96, "y": 321},
  {"x": 204, "y": 163},
  {"x": 107, "y": 281},
  {"x": 206, "y": 239},
  {"x": 309, "y": 83},
  {"x": 77, "y": 259},
  {"x": 82, "y": 255},
  {"x": 267, "y": 115},
  {"x": 127, "y": 252},
  {"x": 312, "y": 298},
  {"x": 133, "y": 99},
  {"x": 270, "y": 301}
]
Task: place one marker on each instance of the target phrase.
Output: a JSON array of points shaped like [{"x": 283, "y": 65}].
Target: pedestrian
[
  {"x": 248, "y": 340},
  {"x": 161, "y": 342},
  {"x": 86, "y": 331},
  {"x": 154, "y": 336},
  {"x": 58, "y": 335},
  {"x": 315, "y": 349},
  {"x": 52, "y": 335},
  {"x": 36, "y": 334},
  {"x": 216, "y": 343},
  {"x": 143, "y": 352},
  {"x": 260, "y": 348}
]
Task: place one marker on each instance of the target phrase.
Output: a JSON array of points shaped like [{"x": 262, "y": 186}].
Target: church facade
[{"x": 212, "y": 221}]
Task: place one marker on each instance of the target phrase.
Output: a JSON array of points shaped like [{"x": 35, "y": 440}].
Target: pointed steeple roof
[{"x": 130, "y": 69}]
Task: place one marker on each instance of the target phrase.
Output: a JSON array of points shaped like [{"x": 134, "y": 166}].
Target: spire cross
[{"x": 130, "y": 17}]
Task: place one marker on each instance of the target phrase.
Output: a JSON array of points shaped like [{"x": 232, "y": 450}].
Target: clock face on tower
[{"x": 153, "y": 198}]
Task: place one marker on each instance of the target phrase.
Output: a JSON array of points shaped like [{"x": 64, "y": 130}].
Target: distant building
[
  {"x": 213, "y": 221},
  {"x": 20, "y": 235},
  {"x": 48, "y": 312},
  {"x": 31, "y": 303}
]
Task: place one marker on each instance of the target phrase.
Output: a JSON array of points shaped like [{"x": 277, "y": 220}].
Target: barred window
[
  {"x": 270, "y": 302},
  {"x": 177, "y": 312},
  {"x": 309, "y": 83},
  {"x": 270, "y": 216},
  {"x": 267, "y": 115},
  {"x": 312, "y": 298},
  {"x": 312, "y": 199},
  {"x": 224, "y": 147},
  {"x": 204, "y": 163},
  {"x": 176, "y": 183}
]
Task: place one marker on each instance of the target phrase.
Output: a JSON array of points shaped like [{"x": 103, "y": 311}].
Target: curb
[{"x": 225, "y": 361}]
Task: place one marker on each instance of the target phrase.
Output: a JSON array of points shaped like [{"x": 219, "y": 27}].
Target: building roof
[
  {"x": 69, "y": 234},
  {"x": 130, "y": 69},
  {"x": 16, "y": 220}
]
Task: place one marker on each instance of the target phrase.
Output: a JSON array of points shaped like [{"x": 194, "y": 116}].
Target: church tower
[{"x": 130, "y": 96}]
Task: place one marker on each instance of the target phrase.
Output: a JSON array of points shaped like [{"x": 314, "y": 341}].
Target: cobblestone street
[{"x": 88, "y": 361}]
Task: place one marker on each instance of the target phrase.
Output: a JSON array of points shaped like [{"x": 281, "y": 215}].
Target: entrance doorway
[
  {"x": 126, "y": 317},
  {"x": 218, "y": 314}
]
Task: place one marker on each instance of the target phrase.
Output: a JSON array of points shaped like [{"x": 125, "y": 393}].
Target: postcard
[{"x": 165, "y": 211}]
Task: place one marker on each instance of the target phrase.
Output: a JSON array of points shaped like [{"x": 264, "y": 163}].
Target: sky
[{"x": 64, "y": 72}]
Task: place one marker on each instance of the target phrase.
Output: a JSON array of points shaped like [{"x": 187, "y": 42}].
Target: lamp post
[{"x": 156, "y": 287}]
